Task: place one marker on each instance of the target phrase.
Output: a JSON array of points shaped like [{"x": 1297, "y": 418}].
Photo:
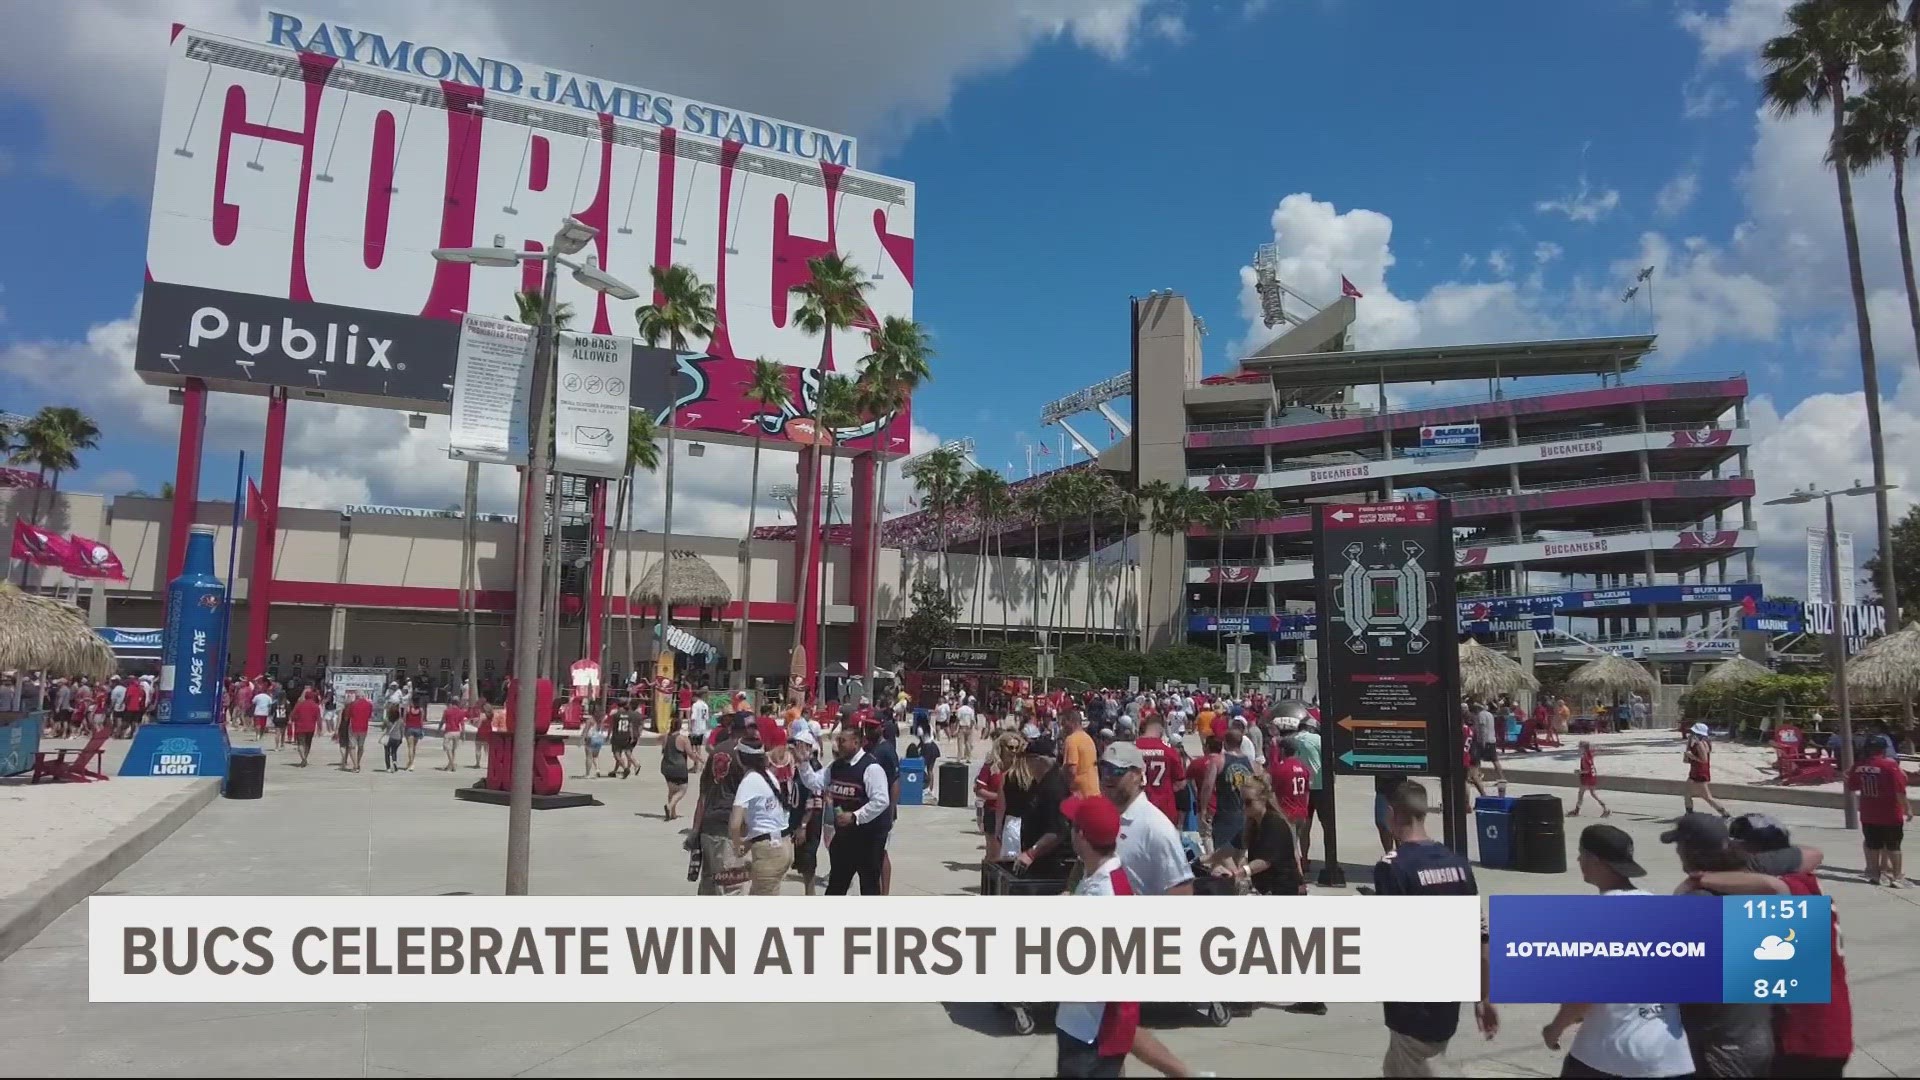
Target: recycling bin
[{"x": 1493, "y": 821}]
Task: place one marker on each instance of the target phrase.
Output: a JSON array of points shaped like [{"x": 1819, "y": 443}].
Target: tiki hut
[
  {"x": 42, "y": 634},
  {"x": 693, "y": 583},
  {"x": 1734, "y": 671},
  {"x": 1888, "y": 669},
  {"x": 1610, "y": 678},
  {"x": 1487, "y": 673}
]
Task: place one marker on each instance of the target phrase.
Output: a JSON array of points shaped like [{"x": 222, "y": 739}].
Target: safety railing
[
  {"x": 1484, "y": 539},
  {"x": 1533, "y": 391},
  {"x": 1355, "y": 457}
]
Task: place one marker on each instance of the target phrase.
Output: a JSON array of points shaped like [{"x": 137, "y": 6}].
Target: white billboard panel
[{"x": 289, "y": 178}]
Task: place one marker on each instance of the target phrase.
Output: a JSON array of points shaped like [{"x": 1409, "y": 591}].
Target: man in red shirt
[
  {"x": 453, "y": 724},
  {"x": 305, "y": 719},
  {"x": 1166, "y": 770},
  {"x": 1291, "y": 786},
  {"x": 358, "y": 718},
  {"x": 1884, "y": 811}
]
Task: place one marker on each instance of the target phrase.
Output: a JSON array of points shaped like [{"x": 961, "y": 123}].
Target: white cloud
[
  {"x": 1821, "y": 441},
  {"x": 1737, "y": 32},
  {"x": 1701, "y": 97},
  {"x": 1583, "y": 205},
  {"x": 1499, "y": 262},
  {"x": 111, "y": 482},
  {"x": 1317, "y": 244},
  {"x": 1547, "y": 251},
  {"x": 909, "y": 58},
  {"x": 1697, "y": 296},
  {"x": 1676, "y": 195}
]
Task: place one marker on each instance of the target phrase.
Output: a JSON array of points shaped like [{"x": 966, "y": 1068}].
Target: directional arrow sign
[
  {"x": 1341, "y": 515},
  {"x": 1406, "y": 761},
  {"x": 1351, "y": 724}
]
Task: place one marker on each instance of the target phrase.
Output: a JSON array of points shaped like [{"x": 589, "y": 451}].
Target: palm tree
[
  {"x": 1879, "y": 128},
  {"x": 643, "y": 452},
  {"x": 1253, "y": 508},
  {"x": 682, "y": 310},
  {"x": 983, "y": 489},
  {"x": 1058, "y": 501},
  {"x": 1155, "y": 499},
  {"x": 1218, "y": 516},
  {"x": 1098, "y": 498},
  {"x": 1031, "y": 503},
  {"x": 899, "y": 363},
  {"x": 835, "y": 409},
  {"x": 768, "y": 388},
  {"x": 996, "y": 502},
  {"x": 1808, "y": 68},
  {"x": 940, "y": 474},
  {"x": 834, "y": 297},
  {"x": 51, "y": 441}
]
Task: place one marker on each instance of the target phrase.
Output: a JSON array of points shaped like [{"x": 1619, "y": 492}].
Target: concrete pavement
[{"x": 320, "y": 831}]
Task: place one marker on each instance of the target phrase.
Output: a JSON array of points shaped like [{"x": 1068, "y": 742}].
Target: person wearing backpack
[{"x": 723, "y": 871}]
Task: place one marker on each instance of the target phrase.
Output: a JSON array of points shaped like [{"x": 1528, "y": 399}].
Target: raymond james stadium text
[{"x": 1626, "y": 949}]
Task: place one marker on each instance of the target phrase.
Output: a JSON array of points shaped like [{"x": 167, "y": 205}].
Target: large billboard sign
[{"x": 298, "y": 196}]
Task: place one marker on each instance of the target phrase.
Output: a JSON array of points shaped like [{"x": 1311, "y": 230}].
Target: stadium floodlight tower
[
  {"x": 1095, "y": 398},
  {"x": 964, "y": 445},
  {"x": 1274, "y": 292}
]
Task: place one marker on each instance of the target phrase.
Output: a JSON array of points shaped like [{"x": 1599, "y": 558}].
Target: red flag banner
[
  {"x": 255, "y": 504},
  {"x": 36, "y": 545},
  {"x": 1347, "y": 289},
  {"x": 92, "y": 559},
  {"x": 20, "y": 478}
]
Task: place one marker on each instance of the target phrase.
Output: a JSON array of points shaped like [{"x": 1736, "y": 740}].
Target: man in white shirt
[
  {"x": 1486, "y": 738},
  {"x": 262, "y": 710},
  {"x": 1618, "y": 1040},
  {"x": 1149, "y": 846},
  {"x": 698, "y": 719}
]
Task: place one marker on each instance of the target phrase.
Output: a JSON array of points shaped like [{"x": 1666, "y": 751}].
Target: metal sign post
[{"x": 1389, "y": 648}]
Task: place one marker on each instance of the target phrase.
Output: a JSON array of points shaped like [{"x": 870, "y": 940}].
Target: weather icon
[{"x": 1773, "y": 947}]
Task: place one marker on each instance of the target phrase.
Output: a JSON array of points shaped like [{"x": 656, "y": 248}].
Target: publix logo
[{"x": 177, "y": 757}]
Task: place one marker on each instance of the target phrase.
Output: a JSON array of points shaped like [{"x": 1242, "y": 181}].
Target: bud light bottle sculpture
[{"x": 190, "y": 645}]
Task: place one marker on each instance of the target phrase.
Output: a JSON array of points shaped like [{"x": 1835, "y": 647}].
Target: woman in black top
[
  {"x": 1271, "y": 866},
  {"x": 1030, "y": 805}
]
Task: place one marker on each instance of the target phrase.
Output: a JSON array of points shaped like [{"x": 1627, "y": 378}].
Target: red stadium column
[
  {"x": 858, "y": 662},
  {"x": 186, "y": 475},
  {"x": 260, "y": 576},
  {"x": 596, "y": 594}
]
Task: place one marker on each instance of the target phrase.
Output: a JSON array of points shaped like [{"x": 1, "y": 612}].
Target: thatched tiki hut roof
[
  {"x": 1734, "y": 671},
  {"x": 1610, "y": 677},
  {"x": 1888, "y": 669},
  {"x": 1487, "y": 673},
  {"x": 694, "y": 583},
  {"x": 42, "y": 634}
]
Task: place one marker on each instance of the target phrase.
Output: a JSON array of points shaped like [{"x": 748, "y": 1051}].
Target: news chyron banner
[
  {"x": 1761, "y": 950},
  {"x": 785, "y": 949}
]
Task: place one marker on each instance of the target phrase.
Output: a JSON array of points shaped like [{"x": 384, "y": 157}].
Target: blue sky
[{"x": 1483, "y": 172}]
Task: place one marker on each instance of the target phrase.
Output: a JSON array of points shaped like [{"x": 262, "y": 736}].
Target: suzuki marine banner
[{"x": 298, "y": 197}]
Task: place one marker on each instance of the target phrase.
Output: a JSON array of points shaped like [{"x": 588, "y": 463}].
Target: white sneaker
[{"x": 1899, "y": 883}]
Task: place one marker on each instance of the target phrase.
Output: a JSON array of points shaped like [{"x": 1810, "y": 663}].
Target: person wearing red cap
[{"x": 1093, "y": 1038}]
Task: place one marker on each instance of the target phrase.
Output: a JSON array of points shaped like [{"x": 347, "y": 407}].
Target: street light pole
[
  {"x": 573, "y": 236},
  {"x": 526, "y": 602},
  {"x": 1836, "y": 640}
]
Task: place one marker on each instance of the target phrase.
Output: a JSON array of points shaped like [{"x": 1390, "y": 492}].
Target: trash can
[
  {"x": 1539, "y": 835},
  {"x": 954, "y": 788},
  {"x": 913, "y": 781},
  {"x": 246, "y": 772},
  {"x": 1493, "y": 821}
]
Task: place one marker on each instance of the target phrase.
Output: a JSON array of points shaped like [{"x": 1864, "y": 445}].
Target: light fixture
[
  {"x": 416, "y": 421},
  {"x": 574, "y": 236},
  {"x": 176, "y": 397},
  {"x": 497, "y": 255},
  {"x": 697, "y": 449},
  {"x": 590, "y": 275}
]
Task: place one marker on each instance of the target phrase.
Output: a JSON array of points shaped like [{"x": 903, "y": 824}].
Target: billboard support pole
[
  {"x": 186, "y": 474},
  {"x": 265, "y": 527}
]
